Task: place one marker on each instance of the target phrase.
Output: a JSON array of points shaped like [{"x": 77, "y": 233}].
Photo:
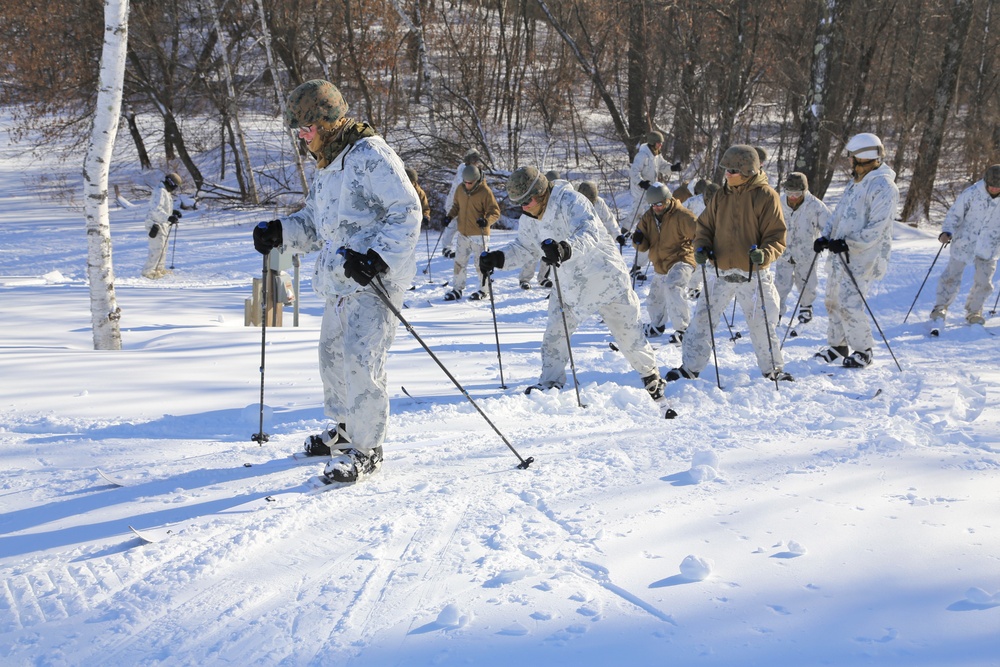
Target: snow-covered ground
[{"x": 851, "y": 518}]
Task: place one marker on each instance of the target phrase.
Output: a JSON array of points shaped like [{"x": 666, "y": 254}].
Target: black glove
[
  {"x": 362, "y": 268},
  {"x": 644, "y": 185},
  {"x": 622, "y": 238},
  {"x": 638, "y": 237},
  {"x": 702, "y": 255},
  {"x": 154, "y": 231},
  {"x": 425, "y": 222},
  {"x": 676, "y": 166},
  {"x": 481, "y": 223},
  {"x": 177, "y": 214},
  {"x": 837, "y": 246},
  {"x": 821, "y": 244},
  {"x": 449, "y": 253},
  {"x": 172, "y": 219},
  {"x": 267, "y": 235},
  {"x": 554, "y": 253},
  {"x": 493, "y": 259}
]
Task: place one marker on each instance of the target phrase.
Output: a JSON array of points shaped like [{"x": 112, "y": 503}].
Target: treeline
[{"x": 555, "y": 82}]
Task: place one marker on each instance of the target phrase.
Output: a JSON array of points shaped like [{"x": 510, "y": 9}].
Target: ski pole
[
  {"x": 925, "y": 282},
  {"x": 805, "y": 282},
  {"x": 429, "y": 257},
  {"x": 711, "y": 327},
  {"x": 569, "y": 348},
  {"x": 850, "y": 274},
  {"x": 767, "y": 325},
  {"x": 729, "y": 325},
  {"x": 173, "y": 250},
  {"x": 488, "y": 283},
  {"x": 427, "y": 238},
  {"x": 260, "y": 437},
  {"x": 995, "y": 303},
  {"x": 380, "y": 291}
]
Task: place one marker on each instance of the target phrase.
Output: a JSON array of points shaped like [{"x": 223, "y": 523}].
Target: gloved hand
[
  {"x": 837, "y": 246},
  {"x": 676, "y": 166},
  {"x": 481, "y": 223},
  {"x": 172, "y": 219},
  {"x": 703, "y": 254},
  {"x": 266, "y": 236},
  {"x": 644, "y": 185},
  {"x": 821, "y": 244},
  {"x": 944, "y": 237},
  {"x": 622, "y": 239},
  {"x": 757, "y": 256},
  {"x": 493, "y": 259},
  {"x": 638, "y": 237},
  {"x": 555, "y": 253},
  {"x": 362, "y": 268},
  {"x": 154, "y": 231},
  {"x": 425, "y": 222},
  {"x": 448, "y": 252},
  {"x": 176, "y": 213}
]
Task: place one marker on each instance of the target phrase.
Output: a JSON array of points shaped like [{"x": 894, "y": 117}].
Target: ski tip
[{"x": 670, "y": 413}]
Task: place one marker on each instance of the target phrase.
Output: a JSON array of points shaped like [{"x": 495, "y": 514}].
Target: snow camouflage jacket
[
  {"x": 595, "y": 274},
  {"x": 607, "y": 217},
  {"x": 161, "y": 205},
  {"x": 645, "y": 167},
  {"x": 974, "y": 224},
  {"x": 739, "y": 218},
  {"x": 863, "y": 218},
  {"x": 362, "y": 200},
  {"x": 805, "y": 224},
  {"x": 669, "y": 238}
]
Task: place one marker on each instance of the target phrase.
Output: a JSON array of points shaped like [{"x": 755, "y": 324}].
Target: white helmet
[{"x": 865, "y": 146}]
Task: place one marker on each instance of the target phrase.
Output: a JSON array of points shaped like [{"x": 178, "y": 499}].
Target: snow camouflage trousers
[
  {"x": 951, "y": 280},
  {"x": 848, "y": 323},
  {"x": 354, "y": 341},
  {"x": 621, "y": 316},
  {"x": 697, "y": 347},
  {"x": 466, "y": 247},
  {"x": 156, "y": 259},
  {"x": 786, "y": 275},
  {"x": 667, "y": 298}
]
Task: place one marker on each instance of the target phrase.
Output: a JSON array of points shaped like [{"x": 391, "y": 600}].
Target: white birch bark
[{"x": 104, "y": 310}]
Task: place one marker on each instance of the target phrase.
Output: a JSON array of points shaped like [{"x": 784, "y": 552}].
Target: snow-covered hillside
[{"x": 851, "y": 518}]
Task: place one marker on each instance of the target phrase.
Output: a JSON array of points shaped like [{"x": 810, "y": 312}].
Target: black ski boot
[
  {"x": 351, "y": 466},
  {"x": 832, "y": 353},
  {"x": 859, "y": 359},
  {"x": 320, "y": 445},
  {"x": 680, "y": 372}
]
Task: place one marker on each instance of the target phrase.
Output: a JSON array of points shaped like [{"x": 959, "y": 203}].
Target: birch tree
[{"x": 104, "y": 310}]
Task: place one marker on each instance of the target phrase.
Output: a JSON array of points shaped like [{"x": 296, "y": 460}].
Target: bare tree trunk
[
  {"x": 808, "y": 154},
  {"x": 104, "y": 310},
  {"x": 140, "y": 145},
  {"x": 638, "y": 123},
  {"x": 232, "y": 108},
  {"x": 918, "y": 199}
]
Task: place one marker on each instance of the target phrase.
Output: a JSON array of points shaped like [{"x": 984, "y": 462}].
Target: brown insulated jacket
[
  {"x": 739, "y": 218},
  {"x": 668, "y": 239},
  {"x": 469, "y": 206}
]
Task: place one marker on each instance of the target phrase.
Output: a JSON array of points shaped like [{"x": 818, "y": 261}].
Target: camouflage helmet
[
  {"x": 992, "y": 176},
  {"x": 699, "y": 186},
  {"x": 471, "y": 173},
  {"x": 173, "y": 180},
  {"x": 411, "y": 174},
  {"x": 710, "y": 191},
  {"x": 796, "y": 182},
  {"x": 656, "y": 193},
  {"x": 552, "y": 175},
  {"x": 525, "y": 182},
  {"x": 472, "y": 156},
  {"x": 654, "y": 137},
  {"x": 742, "y": 157},
  {"x": 589, "y": 190},
  {"x": 761, "y": 153},
  {"x": 682, "y": 193},
  {"x": 313, "y": 102}
]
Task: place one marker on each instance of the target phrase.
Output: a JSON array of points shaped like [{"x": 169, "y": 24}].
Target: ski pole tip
[{"x": 523, "y": 465}]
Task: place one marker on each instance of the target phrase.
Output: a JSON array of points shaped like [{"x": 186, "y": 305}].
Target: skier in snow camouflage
[
  {"x": 160, "y": 220},
  {"x": 363, "y": 216},
  {"x": 666, "y": 231},
  {"x": 860, "y": 231},
  {"x": 972, "y": 227},
  {"x": 589, "y": 190},
  {"x": 805, "y": 215},
  {"x": 592, "y": 275},
  {"x": 741, "y": 231}
]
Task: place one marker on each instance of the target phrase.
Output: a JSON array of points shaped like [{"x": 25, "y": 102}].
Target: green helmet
[
  {"x": 742, "y": 157},
  {"x": 656, "y": 193},
  {"x": 411, "y": 174},
  {"x": 314, "y": 101},
  {"x": 796, "y": 182},
  {"x": 992, "y": 176},
  {"x": 654, "y": 137},
  {"x": 699, "y": 187},
  {"x": 471, "y": 173},
  {"x": 525, "y": 182},
  {"x": 552, "y": 175},
  {"x": 589, "y": 190}
]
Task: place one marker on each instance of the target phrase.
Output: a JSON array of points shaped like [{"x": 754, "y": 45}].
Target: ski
[
  {"x": 112, "y": 480},
  {"x": 154, "y": 534}
]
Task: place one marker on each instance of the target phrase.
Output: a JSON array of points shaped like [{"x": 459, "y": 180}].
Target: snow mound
[{"x": 696, "y": 568}]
